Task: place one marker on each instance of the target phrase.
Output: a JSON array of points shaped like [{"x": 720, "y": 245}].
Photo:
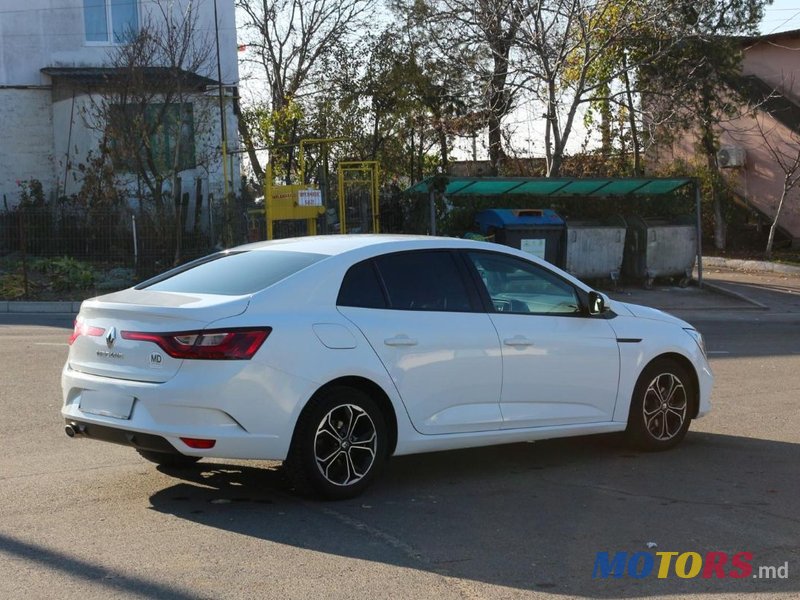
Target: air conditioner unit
[{"x": 730, "y": 156}]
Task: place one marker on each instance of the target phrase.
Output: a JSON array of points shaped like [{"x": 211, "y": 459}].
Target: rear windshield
[{"x": 234, "y": 274}]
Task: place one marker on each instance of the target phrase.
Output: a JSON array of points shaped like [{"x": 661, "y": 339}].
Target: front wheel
[
  {"x": 339, "y": 444},
  {"x": 660, "y": 410}
]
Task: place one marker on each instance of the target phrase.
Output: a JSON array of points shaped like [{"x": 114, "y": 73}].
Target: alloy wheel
[
  {"x": 665, "y": 406},
  {"x": 345, "y": 445}
]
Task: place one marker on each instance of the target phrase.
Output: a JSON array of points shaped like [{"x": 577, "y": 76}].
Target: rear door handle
[
  {"x": 400, "y": 340},
  {"x": 518, "y": 340}
]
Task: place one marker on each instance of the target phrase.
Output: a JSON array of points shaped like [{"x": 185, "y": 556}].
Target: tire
[
  {"x": 661, "y": 407},
  {"x": 172, "y": 460},
  {"x": 339, "y": 445}
]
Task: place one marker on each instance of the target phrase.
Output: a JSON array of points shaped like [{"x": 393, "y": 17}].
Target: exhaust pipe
[{"x": 73, "y": 430}]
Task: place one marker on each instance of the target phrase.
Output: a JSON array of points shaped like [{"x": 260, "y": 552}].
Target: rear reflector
[
  {"x": 80, "y": 328},
  {"x": 199, "y": 444},
  {"x": 217, "y": 344}
]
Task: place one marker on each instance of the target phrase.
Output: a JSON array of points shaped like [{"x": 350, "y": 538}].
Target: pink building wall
[{"x": 775, "y": 59}]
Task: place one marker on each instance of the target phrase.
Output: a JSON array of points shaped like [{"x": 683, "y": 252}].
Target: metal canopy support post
[
  {"x": 432, "y": 196},
  {"x": 699, "y": 234}
]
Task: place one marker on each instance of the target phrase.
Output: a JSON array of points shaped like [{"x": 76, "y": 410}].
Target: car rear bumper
[
  {"x": 103, "y": 433},
  {"x": 247, "y": 408}
]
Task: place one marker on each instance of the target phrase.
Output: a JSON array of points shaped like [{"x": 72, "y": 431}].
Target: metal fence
[
  {"x": 69, "y": 250},
  {"x": 120, "y": 236},
  {"x": 78, "y": 247}
]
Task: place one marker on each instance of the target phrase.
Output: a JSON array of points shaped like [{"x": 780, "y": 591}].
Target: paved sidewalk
[
  {"x": 724, "y": 291},
  {"x": 778, "y": 291}
]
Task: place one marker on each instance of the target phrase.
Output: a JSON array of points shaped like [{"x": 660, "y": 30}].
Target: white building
[{"x": 50, "y": 53}]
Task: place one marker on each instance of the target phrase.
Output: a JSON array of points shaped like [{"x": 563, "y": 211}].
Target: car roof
[
  {"x": 347, "y": 249},
  {"x": 332, "y": 245}
]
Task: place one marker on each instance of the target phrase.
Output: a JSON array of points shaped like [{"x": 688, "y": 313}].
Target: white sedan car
[{"x": 332, "y": 353}]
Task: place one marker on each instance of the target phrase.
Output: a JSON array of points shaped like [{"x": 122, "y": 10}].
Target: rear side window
[
  {"x": 361, "y": 287},
  {"x": 423, "y": 281},
  {"x": 234, "y": 274}
]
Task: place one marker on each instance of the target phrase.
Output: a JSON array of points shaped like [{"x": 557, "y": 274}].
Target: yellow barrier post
[{"x": 365, "y": 166}]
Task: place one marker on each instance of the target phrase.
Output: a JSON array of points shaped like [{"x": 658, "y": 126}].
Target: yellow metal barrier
[
  {"x": 291, "y": 202},
  {"x": 372, "y": 170}
]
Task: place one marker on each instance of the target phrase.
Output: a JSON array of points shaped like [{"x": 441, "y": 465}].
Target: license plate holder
[{"x": 106, "y": 404}]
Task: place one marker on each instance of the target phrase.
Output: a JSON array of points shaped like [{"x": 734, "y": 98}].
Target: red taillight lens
[
  {"x": 82, "y": 328},
  {"x": 219, "y": 344},
  {"x": 199, "y": 444}
]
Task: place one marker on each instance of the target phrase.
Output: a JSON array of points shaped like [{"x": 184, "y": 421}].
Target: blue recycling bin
[{"x": 537, "y": 231}]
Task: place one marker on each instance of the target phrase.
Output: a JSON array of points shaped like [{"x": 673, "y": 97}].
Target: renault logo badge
[{"x": 111, "y": 337}]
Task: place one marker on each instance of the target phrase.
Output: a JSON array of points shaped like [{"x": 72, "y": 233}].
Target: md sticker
[{"x": 155, "y": 361}]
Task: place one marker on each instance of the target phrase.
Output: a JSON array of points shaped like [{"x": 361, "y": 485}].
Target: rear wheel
[
  {"x": 339, "y": 445},
  {"x": 661, "y": 406},
  {"x": 166, "y": 459}
]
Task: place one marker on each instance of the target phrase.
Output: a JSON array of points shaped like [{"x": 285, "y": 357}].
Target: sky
[{"x": 783, "y": 15}]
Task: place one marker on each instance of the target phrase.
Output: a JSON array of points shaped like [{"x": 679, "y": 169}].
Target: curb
[
  {"x": 64, "y": 308},
  {"x": 750, "y": 265},
  {"x": 716, "y": 288}
]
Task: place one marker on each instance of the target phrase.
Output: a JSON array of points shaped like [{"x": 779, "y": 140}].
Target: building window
[
  {"x": 110, "y": 21},
  {"x": 151, "y": 135}
]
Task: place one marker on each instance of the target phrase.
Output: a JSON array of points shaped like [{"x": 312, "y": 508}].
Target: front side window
[
  {"x": 110, "y": 21},
  {"x": 517, "y": 286},
  {"x": 423, "y": 281}
]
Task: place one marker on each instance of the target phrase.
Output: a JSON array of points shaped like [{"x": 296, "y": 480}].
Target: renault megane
[{"x": 333, "y": 353}]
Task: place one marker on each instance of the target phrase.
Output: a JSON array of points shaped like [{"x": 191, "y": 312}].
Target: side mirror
[{"x": 597, "y": 303}]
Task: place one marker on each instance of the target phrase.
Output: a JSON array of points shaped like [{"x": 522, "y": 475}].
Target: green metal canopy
[
  {"x": 572, "y": 187},
  {"x": 600, "y": 187}
]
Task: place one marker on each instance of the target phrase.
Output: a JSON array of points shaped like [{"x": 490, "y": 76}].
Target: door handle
[
  {"x": 400, "y": 340},
  {"x": 518, "y": 341}
]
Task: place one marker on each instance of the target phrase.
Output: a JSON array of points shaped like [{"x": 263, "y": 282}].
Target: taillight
[
  {"x": 199, "y": 444},
  {"x": 219, "y": 344},
  {"x": 80, "y": 328}
]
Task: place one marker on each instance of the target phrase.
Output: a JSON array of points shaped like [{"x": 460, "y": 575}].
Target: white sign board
[
  {"x": 535, "y": 247},
  {"x": 309, "y": 198}
]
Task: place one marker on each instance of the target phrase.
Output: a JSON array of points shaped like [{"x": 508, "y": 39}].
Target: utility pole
[{"x": 227, "y": 225}]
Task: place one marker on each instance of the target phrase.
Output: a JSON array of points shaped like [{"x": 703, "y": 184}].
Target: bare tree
[
  {"x": 579, "y": 53},
  {"x": 151, "y": 104},
  {"x": 479, "y": 38},
  {"x": 289, "y": 39},
  {"x": 782, "y": 144}
]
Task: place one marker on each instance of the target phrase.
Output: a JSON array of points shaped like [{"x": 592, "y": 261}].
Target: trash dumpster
[
  {"x": 594, "y": 249},
  {"x": 537, "y": 231},
  {"x": 660, "y": 248}
]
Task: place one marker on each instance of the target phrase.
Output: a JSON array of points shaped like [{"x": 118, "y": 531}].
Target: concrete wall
[
  {"x": 50, "y": 33},
  {"x": 44, "y": 132},
  {"x": 776, "y": 62},
  {"x": 26, "y": 140}
]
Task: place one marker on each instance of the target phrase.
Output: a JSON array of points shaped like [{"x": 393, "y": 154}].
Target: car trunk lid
[{"x": 102, "y": 350}]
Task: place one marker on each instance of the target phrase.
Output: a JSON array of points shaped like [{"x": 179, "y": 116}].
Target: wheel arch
[
  {"x": 690, "y": 369},
  {"x": 374, "y": 391}
]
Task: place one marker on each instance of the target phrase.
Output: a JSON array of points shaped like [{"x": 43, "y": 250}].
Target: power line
[{"x": 794, "y": 16}]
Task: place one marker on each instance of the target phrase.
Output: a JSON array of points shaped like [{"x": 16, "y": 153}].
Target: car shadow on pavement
[{"x": 533, "y": 516}]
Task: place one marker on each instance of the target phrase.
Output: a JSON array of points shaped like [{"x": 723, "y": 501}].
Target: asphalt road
[{"x": 81, "y": 519}]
